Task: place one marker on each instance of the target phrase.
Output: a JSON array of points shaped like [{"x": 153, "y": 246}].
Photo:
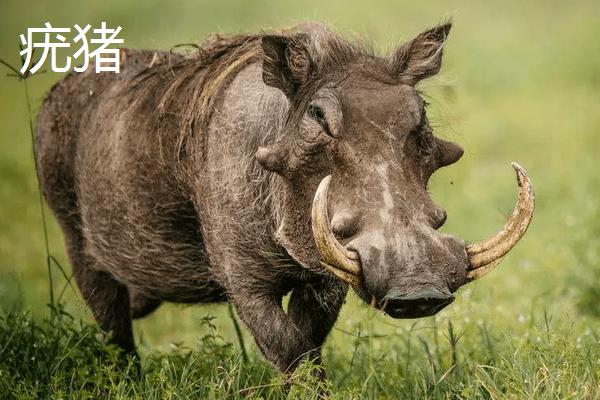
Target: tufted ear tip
[
  {"x": 445, "y": 28},
  {"x": 421, "y": 57},
  {"x": 287, "y": 64}
]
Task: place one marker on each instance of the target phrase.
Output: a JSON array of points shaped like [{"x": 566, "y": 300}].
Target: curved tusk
[
  {"x": 483, "y": 255},
  {"x": 342, "y": 262},
  {"x": 481, "y": 271},
  {"x": 349, "y": 278}
]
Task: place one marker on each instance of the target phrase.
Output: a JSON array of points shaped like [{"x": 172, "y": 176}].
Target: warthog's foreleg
[
  {"x": 314, "y": 309},
  {"x": 286, "y": 339}
]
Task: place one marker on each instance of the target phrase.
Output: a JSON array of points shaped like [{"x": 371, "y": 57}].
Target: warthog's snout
[
  {"x": 411, "y": 270},
  {"x": 421, "y": 303}
]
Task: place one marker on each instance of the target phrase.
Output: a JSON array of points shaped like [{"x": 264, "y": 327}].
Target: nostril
[{"x": 344, "y": 223}]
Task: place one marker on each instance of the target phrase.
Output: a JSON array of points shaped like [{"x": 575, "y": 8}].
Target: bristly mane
[{"x": 185, "y": 89}]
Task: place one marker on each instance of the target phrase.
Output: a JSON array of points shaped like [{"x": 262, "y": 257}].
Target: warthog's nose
[{"x": 421, "y": 303}]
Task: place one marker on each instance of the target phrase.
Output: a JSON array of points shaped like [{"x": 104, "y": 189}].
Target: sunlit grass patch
[{"x": 61, "y": 357}]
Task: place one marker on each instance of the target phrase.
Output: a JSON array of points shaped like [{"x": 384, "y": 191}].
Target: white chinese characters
[{"x": 49, "y": 39}]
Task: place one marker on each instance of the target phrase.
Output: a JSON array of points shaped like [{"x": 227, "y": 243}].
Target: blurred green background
[{"x": 520, "y": 81}]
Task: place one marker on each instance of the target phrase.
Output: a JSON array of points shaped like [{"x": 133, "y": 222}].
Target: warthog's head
[{"x": 355, "y": 157}]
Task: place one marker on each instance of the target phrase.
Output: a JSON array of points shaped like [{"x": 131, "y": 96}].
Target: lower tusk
[
  {"x": 373, "y": 303},
  {"x": 481, "y": 271},
  {"x": 349, "y": 278},
  {"x": 384, "y": 305}
]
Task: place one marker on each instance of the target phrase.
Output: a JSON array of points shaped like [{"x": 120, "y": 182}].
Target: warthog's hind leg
[
  {"x": 109, "y": 302},
  {"x": 142, "y": 305},
  {"x": 107, "y": 298}
]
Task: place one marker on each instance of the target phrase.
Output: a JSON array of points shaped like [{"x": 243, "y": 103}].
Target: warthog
[{"x": 211, "y": 176}]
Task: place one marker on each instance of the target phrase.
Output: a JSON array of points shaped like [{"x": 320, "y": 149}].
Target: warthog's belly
[
  {"x": 137, "y": 220},
  {"x": 158, "y": 251}
]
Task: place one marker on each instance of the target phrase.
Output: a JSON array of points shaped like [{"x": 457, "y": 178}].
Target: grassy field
[{"x": 521, "y": 81}]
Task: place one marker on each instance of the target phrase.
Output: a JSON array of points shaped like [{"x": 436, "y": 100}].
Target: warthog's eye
[
  {"x": 318, "y": 115},
  {"x": 422, "y": 136}
]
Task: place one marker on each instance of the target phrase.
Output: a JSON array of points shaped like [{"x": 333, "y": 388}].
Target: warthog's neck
[{"x": 241, "y": 203}]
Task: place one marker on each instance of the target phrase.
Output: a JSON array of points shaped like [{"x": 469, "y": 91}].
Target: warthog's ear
[
  {"x": 286, "y": 64},
  {"x": 422, "y": 56}
]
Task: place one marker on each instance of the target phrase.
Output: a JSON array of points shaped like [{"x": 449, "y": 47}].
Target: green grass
[
  {"x": 520, "y": 82},
  {"x": 63, "y": 357}
]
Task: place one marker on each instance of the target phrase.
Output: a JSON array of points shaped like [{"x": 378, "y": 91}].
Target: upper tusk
[
  {"x": 486, "y": 252},
  {"x": 335, "y": 255}
]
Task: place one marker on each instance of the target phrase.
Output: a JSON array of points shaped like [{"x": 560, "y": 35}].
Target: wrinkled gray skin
[{"x": 226, "y": 214}]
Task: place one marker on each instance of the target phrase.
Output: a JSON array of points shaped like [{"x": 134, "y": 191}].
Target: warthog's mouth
[
  {"x": 483, "y": 256},
  {"x": 421, "y": 303}
]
